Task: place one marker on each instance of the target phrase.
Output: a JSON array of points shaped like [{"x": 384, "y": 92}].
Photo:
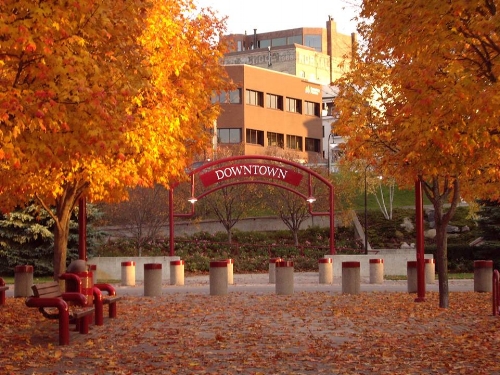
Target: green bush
[{"x": 26, "y": 238}]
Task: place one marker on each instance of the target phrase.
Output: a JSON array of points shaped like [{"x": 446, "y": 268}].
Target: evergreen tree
[
  {"x": 489, "y": 220},
  {"x": 26, "y": 238}
]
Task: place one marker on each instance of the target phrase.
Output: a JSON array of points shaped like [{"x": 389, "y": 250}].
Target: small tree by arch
[{"x": 291, "y": 209}]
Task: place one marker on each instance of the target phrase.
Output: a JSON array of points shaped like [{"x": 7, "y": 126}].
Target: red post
[
  {"x": 419, "y": 214},
  {"x": 332, "y": 221}
]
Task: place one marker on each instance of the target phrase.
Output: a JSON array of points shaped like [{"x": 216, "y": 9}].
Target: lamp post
[
  {"x": 330, "y": 136},
  {"x": 269, "y": 63}
]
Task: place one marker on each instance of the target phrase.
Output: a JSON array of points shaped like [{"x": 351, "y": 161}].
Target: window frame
[
  {"x": 254, "y": 98},
  {"x": 254, "y": 137},
  {"x": 293, "y": 105},
  {"x": 278, "y": 138},
  {"x": 229, "y": 130},
  {"x": 312, "y": 108},
  {"x": 316, "y": 145},
  {"x": 274, "y": 101},
  {"x": 294, "y": 139}
]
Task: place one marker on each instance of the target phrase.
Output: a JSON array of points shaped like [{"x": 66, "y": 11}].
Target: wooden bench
[
  {"x": 3, "y": 288},
  {"x": 99, "y": 299},
  {"x": 68, "y": 307}
]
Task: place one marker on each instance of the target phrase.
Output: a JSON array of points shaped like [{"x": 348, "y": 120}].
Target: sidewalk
[{"x": 303, "y": 282}]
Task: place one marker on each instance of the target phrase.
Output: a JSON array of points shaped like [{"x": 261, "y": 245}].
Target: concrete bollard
[
  {"x": 411, "y": 274},
  {"x": 376, "y": 271},
  {"x": 483, "y": 275},
  {"x": 176, "y": 272},
  {"x": 218, "y": 278},
  {"x": 430, "y": 271},
  {"x": 325, "y": 267},
  {"x": 351, "y": 277},
  {"x": 152, "y": 279},
  {"x": 128, "y": 273},
  {"x": 230, "y": 264},
  {"x": 284, "y": 277},
  {"x": 272, "y": 269},
  {"x": 23, "y": 281}
]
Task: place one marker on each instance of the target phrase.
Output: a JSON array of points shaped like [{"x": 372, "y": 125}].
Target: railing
[{"x": 496, "y": 293}]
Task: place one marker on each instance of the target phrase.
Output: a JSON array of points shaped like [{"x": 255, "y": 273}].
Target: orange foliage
[
  {"x": 422, "y": 100},
  {"x": 98, "y": 96}
]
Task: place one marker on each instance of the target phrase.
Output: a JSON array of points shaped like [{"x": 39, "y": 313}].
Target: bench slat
[
  {"x": 111, "y": 299},
  {"x": 46, "y": 290}
]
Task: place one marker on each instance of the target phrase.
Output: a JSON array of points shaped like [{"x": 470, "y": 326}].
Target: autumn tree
[
  {"x": 98, "y": 96},
  {"x": 291, "y": 209},
  {"x": 229, "y": 206},
  {"x": 420, "y": 102},
  {"x": 144, "y": 214}
]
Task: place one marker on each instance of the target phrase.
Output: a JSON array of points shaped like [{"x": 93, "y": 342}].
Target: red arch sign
[{"x": 260, "y": 169}]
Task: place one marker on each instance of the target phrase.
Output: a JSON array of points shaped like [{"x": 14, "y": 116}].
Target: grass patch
[{"x": 451, "y": 276}]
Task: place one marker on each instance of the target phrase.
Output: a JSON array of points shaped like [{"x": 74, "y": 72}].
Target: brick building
[
  {"x": 281, "y": 76},
  {"x": 271, "y": 110}
]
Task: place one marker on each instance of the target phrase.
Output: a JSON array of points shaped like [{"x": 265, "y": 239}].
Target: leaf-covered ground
[{"x": 246, "y": 333}]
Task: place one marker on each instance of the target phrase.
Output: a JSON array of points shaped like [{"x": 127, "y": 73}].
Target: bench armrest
[
  {"x": 75, "y": 297},
  {"x": 74, "y": 278},
  {"x": 106, "y": 288},
  {"x": 60, "y": 304}
]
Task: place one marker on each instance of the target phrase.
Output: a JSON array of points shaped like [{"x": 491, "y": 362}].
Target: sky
[{"x": 272, "y": 15}]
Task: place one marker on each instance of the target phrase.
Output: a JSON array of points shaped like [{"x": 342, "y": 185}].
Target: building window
[
  {"x": 274, "y": 101},
  {"x": 312, "y": 145},
  {"x": 276, "y": 42},
  {"x": 255, "y": 137},
  {"x": 294, "y": 142},
  {"x": 233, "y": 97},
  {"x": 294, "y": 105},
  {"x": 296, "y": 39},
  {"x": 264, "y": 43},
  {"x": 255, "y": 98},
  {"x": 229, "y": 135},
  {"x": 275, "y": 139},
  {"x": 313, "y": 41},
  {"x": 312, "y": 109}
]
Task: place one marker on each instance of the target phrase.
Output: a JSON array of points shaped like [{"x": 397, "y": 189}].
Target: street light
[
  {"x": 330, "y": 146},
  {"x": 269, "y": 63}
]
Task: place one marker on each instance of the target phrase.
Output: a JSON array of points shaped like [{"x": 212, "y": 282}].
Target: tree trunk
[
  {"x": 61, "y": 234},
  {"x": 442, "y": 219},
  {"x": 64, "y": 206},
  {"x": 296, "y": 237},
  {"x": 442, "y": 263}
]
